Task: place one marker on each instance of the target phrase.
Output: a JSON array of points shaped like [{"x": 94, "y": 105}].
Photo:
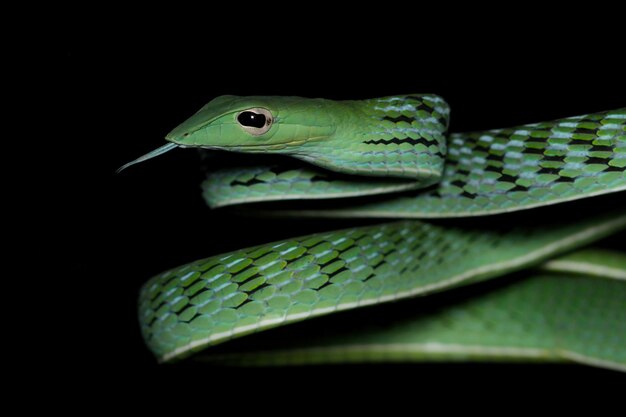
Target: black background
[{"x": 123, "y": 99}]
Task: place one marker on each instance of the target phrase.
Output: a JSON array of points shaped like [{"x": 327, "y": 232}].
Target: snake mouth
[{"x": 248, "y": 148}]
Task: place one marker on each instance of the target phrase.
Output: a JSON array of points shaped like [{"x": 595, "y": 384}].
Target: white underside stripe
[
  {"x": 585, "y": 268},
  {"x": 434, "y": 348},
  {"x": 394, "y": 213}
]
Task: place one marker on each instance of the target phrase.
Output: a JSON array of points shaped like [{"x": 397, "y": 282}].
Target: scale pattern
[
  {"x": 390, "y": 136},
  {"x": 486, "y": 172},
  {"x": 518, "y": 168},
  {"x": 218, "y": 298},
  {"x": 226, "y": 296},
  {"x": 543, "y": 317},
  {"x": 278, "y": 182}
]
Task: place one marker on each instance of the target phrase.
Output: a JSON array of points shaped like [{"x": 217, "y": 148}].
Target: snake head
[
  {"x": 253, "y": 124},
  {"x": 256, "y": 124},
  {"x": 399, "y": 136}
]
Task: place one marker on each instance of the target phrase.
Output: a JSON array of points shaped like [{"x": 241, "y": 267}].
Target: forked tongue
[{"x": 149, "y": 155}]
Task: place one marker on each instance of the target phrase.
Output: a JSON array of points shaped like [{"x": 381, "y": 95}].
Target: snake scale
[{"x": 485, "y": 198}]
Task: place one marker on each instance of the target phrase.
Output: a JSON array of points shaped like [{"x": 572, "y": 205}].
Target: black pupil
[{"x": 251, "y": 119}]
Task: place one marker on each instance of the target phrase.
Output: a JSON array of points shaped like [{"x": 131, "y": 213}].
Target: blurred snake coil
[{"x": 492, "y": 238}]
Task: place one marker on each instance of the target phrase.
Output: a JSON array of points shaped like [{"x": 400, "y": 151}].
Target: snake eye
[{"x": 255, "y": 121}]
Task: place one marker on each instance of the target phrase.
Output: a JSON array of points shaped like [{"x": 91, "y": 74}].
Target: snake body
[{"x": 397, "y": 150}]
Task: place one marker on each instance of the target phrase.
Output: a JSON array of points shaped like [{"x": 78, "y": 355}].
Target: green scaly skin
[
  {"x": 384, "y": 146},
  {"x": 216, "y": 299},
  {"x": 488, "y": 172},
  {"x": 524, "y": 319},
  {"x": 349, "y": 137}
]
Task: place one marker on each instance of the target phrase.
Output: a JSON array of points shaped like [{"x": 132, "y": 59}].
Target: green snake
[{"x": 392, "y": 157}]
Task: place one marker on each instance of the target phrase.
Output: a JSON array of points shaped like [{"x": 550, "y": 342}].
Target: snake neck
[{"x": 399, "y": 136}]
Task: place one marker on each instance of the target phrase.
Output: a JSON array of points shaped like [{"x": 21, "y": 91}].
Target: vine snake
[{"x": 391, "y": 157}]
